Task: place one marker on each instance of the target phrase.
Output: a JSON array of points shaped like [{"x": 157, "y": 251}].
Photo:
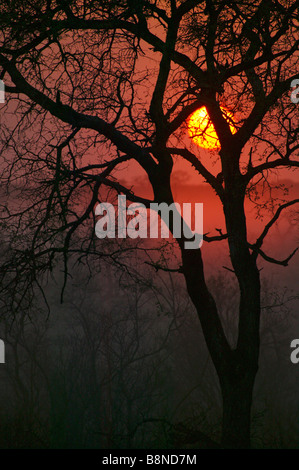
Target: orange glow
[{"x": 202, "y": 131}]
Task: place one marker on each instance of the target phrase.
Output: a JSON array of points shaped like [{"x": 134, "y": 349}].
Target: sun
[{"x": 202, "y": 131}]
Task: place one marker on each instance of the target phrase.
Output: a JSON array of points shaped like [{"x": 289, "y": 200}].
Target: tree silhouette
[{"x": 94, "y": 86}]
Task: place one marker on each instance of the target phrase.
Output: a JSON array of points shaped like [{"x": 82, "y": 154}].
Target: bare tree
[{"x": 114, "y": 83}]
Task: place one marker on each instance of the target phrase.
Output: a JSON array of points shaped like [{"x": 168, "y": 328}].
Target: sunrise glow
[{"x": 202, "y": 131}]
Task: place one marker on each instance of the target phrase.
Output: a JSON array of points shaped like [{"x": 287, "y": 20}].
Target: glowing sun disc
[{"x": 202, "y": 131}]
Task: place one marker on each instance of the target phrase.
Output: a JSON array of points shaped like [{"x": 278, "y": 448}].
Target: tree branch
[
  {"x": 257, "y": 245},
  {"x": 68, "y": 115},
  {"x": 200, "y": 168}
]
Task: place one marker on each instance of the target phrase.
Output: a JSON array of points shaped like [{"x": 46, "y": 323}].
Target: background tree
[{"x": 106, "y": 85}]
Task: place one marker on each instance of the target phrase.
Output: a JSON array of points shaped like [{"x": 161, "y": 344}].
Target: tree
[{"x": 114, "y": 83}]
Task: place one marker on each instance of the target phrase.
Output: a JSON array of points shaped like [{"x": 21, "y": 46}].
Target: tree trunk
[
  {"x": 237, "y": 401},
  {"x": 236, "y": 368}
]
